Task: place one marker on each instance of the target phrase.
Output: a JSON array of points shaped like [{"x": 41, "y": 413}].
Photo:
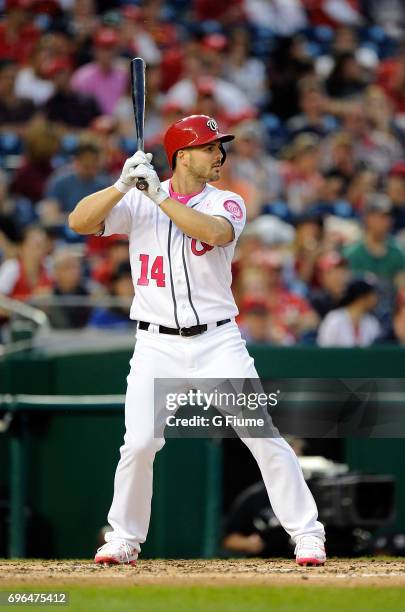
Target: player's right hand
[{"x": 127, "y": 180}]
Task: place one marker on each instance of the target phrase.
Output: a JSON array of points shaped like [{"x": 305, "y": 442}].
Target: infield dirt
[{"x": 177, "y": 572}]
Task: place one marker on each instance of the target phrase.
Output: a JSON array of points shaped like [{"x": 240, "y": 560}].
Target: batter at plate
[{"x": 182, "y": 236}]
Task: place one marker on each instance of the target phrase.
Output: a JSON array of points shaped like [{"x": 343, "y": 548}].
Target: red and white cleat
[
  {"x": 310, "y": 551},
  {"x": 116, "y": 552}
]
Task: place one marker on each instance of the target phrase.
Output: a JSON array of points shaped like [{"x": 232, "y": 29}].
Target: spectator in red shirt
[
  {"x": 18, "y": 34},
  {"x": 219, "y": 10},
  {"x": 291, "y": 315},
  {"x": 115, "y": 253},
  {"x": 42, "y": 140},
  {"x": 308, "y": 245},
  {"x": 391, "y": 77},
  {"x": 26, "y": 276}
]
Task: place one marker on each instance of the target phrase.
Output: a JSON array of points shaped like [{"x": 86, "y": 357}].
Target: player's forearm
[
  {"x": 195, "y": 224},
  {"x": 91, "y": 211}
]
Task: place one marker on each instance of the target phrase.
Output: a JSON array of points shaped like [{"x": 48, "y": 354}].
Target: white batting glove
[
  {"x": 126, "y": 180},
  {"x": 154, "y": 191}
]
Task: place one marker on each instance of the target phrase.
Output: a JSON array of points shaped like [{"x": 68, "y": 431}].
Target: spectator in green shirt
[{"x": 377, "y": 252}]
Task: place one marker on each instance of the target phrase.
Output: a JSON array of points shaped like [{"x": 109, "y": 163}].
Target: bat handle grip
[{"x": 142, "y": 185}]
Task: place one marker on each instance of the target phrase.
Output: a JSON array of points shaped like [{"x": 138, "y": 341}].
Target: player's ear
[{"x": 182, "y": 157}]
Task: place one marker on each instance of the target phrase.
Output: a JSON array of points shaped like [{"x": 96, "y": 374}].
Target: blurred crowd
[{"x": 314, "y": 91}]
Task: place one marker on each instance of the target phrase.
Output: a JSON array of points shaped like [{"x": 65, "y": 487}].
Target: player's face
[{"x": 204, "y": 162}]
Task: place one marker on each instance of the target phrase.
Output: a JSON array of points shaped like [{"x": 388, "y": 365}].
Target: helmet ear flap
[{"x": 222, "y": 149}]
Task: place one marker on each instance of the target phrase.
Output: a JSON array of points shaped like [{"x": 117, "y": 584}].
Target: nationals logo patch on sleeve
[{"x": 234, "y": 209}]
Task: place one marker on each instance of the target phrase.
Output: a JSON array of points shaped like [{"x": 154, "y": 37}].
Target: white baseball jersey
[{"x": 179, "y": 281}]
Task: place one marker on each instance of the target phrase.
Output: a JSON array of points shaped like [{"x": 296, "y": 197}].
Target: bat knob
[{"x": 142, "y": 185}]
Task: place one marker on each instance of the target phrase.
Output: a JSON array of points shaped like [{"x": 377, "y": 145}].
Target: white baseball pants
[{"x": 219, "y": 353}]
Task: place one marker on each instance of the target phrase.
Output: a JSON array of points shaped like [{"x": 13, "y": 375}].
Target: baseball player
[{"x": 182, "y": 236}]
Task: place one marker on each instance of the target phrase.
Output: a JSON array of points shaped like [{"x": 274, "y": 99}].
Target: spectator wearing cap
[
  {"x": 228, "y": 97},
  {"x": 207, "y": 104},
  {"x": 377, "y": 252},
  {"x": 106, "y": 77},
  {"x": 84, "y": 178},
  {"x": 301, "y": 177},
  {"x": 213, "y": 49},
  {"x": 255, "y": 322},
  {"x": 18, "y": 33},
  {"x": 291, "y": 316},
  {"x": 122, "y": 289},
  {"x": 333, "y": 276},
  {"x": 14, "y": 112},
  {"x": 252, "y": 164},
  {"x": 66, "y": 107},
  {"x": 68, "y": 282},
  {"x": 396, "y": 192},
  {"x": 31, "y": 83},
  {"x": 352, "y": 324}
]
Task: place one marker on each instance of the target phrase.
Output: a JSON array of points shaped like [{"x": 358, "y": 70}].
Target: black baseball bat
[{"x": 138, "y": 101}]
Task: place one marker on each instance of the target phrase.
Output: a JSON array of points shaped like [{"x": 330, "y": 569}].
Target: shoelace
[{"x": 127, "y": 548}]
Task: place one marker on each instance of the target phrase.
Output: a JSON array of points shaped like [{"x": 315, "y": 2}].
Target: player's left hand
[
  {"x": 126, "y": 181},
  {"x": 154, "y": 191}
]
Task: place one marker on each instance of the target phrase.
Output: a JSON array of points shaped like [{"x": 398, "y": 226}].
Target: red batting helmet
[{"x": 193, "y": 131}]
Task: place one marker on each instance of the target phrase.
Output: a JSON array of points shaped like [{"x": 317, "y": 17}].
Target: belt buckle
[{"x": 186, "y": 332}]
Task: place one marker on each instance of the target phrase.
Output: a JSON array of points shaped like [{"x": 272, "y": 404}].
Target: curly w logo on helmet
[{"x": 213, "y": 125}]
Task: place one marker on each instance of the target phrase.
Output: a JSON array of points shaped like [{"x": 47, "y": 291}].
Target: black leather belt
[{"x": 182, "y": 331}]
